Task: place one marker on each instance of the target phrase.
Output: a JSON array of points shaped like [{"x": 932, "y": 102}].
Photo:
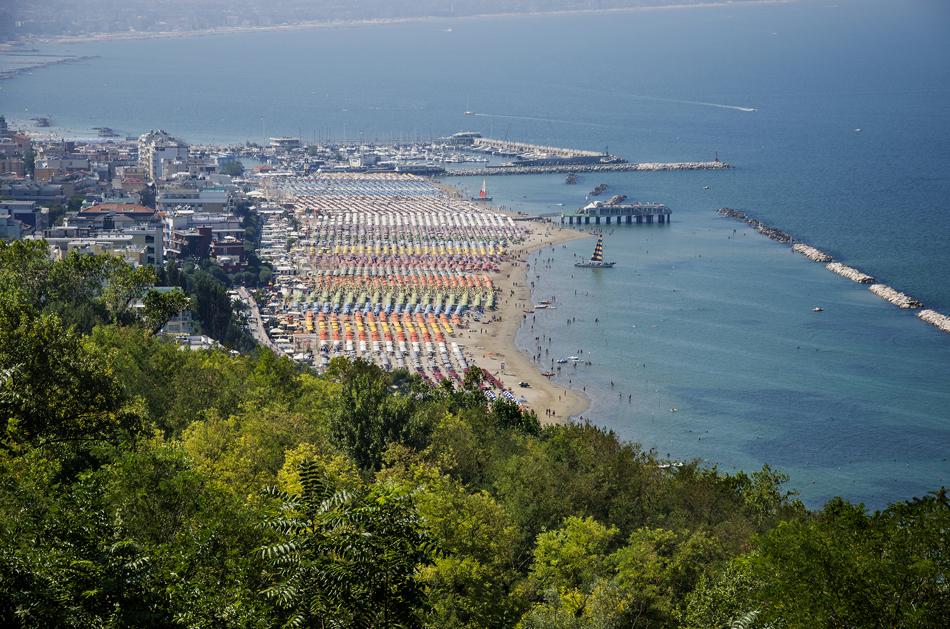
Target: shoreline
[
  {"x": 495, "y": 345},
  {"x": 323, "y": 24}
]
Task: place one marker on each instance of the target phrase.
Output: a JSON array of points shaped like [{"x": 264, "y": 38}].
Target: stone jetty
[
  {"x": 775, "y": 234},
  {"x": 52, "y": 60},
  {"x": 896, "y": 297},
  {"x": 934, "y": 318},
  {"x": 587, "y": 168},
  {"x": 849, "y": 272},
  {"x": 885, "y": 292},
  {"x": 813, "y": 254}
]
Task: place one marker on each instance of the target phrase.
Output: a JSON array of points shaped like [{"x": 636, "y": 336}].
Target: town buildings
[{"x": 158, "y": 147}]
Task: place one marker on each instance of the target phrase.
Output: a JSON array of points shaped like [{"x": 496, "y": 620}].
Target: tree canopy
[{"x": 144, "y": 485}]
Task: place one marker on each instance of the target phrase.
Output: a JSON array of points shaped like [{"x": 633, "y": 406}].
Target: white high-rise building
[{"x": 156, "y": 146}]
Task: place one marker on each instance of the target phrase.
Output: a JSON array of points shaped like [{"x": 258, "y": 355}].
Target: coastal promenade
[{"x": 621, "y": 167}]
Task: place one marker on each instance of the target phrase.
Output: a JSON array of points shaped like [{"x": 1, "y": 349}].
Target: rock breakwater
[
  {"x": 775, "y": 234},
  {"x": 849, "y": 272},
  {"x": 934, "y": 318},
  {"x": 813, "y": 254},
  {"x": 896, "y": 297},
  {"x": 885, "y": 292}
]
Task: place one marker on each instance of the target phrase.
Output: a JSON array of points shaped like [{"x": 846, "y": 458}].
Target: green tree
[
  {"x": 346, "y": 558},
  {"x": 657, "y": 570},
  {"x": 722, "y": 597},
  {"x": 147, "y": 196},
  {"x": 158, "y": 308},
  {"x": 53, "y": 388},
  {"x": 845, "y": 568},
  {"x": 374, "y": 409},
  {"x": 471, "y": 583},
  {"x": 234, "y": 168},
  {"x": 29, "y": 162}
]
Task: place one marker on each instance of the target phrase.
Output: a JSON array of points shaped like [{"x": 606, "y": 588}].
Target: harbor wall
[{"x": 587, "y": 168}]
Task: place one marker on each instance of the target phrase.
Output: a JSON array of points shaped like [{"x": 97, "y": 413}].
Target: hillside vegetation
[{"x": 142, "y": 485}]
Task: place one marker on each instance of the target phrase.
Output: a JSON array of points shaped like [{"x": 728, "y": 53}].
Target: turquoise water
[{"x": 852, "y": 401}]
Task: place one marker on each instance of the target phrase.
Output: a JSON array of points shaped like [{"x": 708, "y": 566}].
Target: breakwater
[
  {"x": 934, "y": 318},
  {"x": 770, "y": 232},
  {"x": 885, "y": 292},
  {"x": 896, "y": 297},
  {"x": 51, "y": 60},
  {"x": 588, "y": 168},
  {"x": 813, "y": 254},
  {"x": 851, "y": 273}
]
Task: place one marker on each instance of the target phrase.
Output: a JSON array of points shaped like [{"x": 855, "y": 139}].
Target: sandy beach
[{"x": 493, "y": 344}]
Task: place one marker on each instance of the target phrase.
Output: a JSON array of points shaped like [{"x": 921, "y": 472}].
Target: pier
[
  {"x": 612, "y": 167},
  {"x": 617, "y": 214}
]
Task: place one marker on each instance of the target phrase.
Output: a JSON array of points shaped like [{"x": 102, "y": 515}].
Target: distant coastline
[{"x": 324, "y": 24}]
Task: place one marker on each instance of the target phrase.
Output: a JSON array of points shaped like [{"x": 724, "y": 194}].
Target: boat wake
[
  {"x": 540, "y": 119},
  {"x": 701, "y": 103}
]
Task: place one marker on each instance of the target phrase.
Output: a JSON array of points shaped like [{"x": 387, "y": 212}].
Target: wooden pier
[{"x": 618, "y": 214}]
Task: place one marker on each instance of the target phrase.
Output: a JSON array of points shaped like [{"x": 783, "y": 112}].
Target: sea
[{"x": 702, "y": 341}]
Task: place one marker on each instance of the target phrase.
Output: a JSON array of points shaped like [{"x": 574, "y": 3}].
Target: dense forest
[{"x": 142, "y": 485}]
